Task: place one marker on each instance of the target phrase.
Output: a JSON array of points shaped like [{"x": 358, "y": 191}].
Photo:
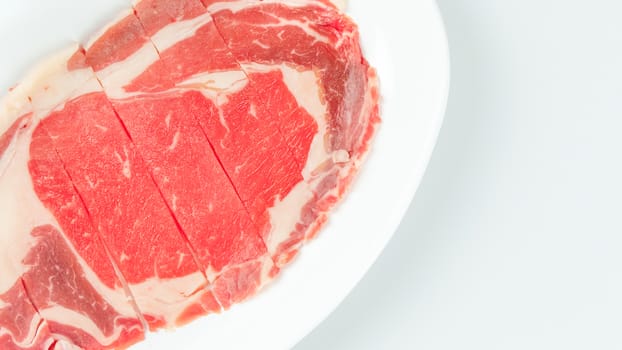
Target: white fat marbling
[
  {"x": 235, "y": 6},
  {"x": 285, "y": 214},
  {"x": 169, "y": 297},
  {"x": 119, "y": 74},
  {"x": 304, "y": 86},
  {"x": 13, "y": 106},
  {"x": 178, "y": 31},
  {"x": 63, "y": 344},
  {"x": 47, "y": 77},
  {"x": 264, "y": 260},
  {"x": 63, "y": 315},
  {"x": 21, "y": 210},
  {"x": 34, "y": 328},
  {"x": 216, "y": 83}
]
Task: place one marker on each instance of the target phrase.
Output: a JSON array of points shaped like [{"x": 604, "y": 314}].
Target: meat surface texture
[{"x": 172, "y": 165}]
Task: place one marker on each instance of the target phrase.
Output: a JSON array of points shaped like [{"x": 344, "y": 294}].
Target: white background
[{"x": 514, "y": 239}]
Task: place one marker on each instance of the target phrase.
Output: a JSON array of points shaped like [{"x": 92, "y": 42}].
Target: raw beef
[{"x": 173, "y": 164}]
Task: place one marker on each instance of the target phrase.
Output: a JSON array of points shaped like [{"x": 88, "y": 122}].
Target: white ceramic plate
[{"x": 406, "y": 42}]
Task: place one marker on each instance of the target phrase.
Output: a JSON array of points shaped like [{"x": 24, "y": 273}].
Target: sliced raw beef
[
  {"x": 167, "y": 133},
  {"x": 173, "y": 164},
  {"x": 124, "y": 203},
  {"x": 303, "y": 67},
  {"x": 57, "y": 259},
  {"x": 306, "y": 57}
]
